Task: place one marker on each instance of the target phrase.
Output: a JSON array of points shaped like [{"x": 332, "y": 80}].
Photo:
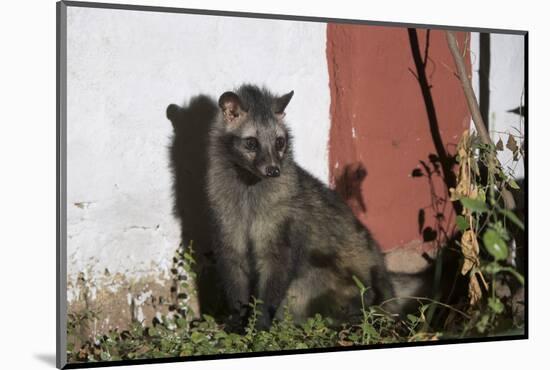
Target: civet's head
[{"x": 256, "y": 137}]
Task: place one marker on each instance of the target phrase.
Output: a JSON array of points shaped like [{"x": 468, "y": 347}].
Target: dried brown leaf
[
  {"x": 499, "y": 145},
  {"x": 512, "y": 144},
  {"x": 470, "y": 250},
  {"x": 464, "y": 186},
  {"x": 474, "y": 290}
]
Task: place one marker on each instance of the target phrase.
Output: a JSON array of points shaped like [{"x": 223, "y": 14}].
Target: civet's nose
[{"x": 272, "y": 171}]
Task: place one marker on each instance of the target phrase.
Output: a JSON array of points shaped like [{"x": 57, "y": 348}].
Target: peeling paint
[{"x": 132, "y": 301}]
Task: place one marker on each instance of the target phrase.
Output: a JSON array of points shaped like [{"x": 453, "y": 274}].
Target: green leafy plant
[{"x": 486, "y": 222}]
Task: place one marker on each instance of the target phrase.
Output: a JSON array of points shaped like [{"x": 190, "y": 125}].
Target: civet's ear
[
  {"x": 172, "y": 113},
  {"x": 280, "y": 103},
  {"x": 231, "y": 107}
]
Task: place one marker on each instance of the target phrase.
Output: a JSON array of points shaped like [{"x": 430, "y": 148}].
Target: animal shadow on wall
[
  {"x": 191, "y": 124},
  {"x": 349, "y": 185}
]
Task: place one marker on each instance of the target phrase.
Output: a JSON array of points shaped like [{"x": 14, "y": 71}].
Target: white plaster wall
[
  {"x": 124, "y": 68},
  {"x": 506, "y": 86}
]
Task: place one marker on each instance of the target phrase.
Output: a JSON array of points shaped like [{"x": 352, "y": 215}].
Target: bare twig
[
  {"x": 468, "y": 90},
  {"x": 475, "y": 112}
]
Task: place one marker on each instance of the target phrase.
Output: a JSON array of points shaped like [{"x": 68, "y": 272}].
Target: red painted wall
[{"x": 381, "y": 129}]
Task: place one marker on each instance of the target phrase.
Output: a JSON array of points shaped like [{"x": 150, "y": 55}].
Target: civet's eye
[
  {"x": 251, "y": 143},
  {"x": 280, "y": 143}
]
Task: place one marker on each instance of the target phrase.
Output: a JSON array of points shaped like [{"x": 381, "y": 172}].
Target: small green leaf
[
  {"x": 209, "y": 319},
  {"x": 481, "y": 325},
  {"x": 481, "y": 195},
  {"x": 369, "y": 329},
  {"x": 181, "y": 322},
  {"x": 197, "y": 337},
  {"x": 462, "y": 223},
  {"x": 495, "y": 245},
  {"x": 359, "y": 283},
  {"x": 513, "y": 184},
  {"x": 473, "y": 204},
  {"x": 105, "y": 356},
  {"x": 496, "y": 305},
  {"x": 512, "y": 217},
  {"x": 492, "y": 268}
]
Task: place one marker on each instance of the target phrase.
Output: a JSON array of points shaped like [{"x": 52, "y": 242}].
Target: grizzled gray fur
[{"x": 282, "y": 236}]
